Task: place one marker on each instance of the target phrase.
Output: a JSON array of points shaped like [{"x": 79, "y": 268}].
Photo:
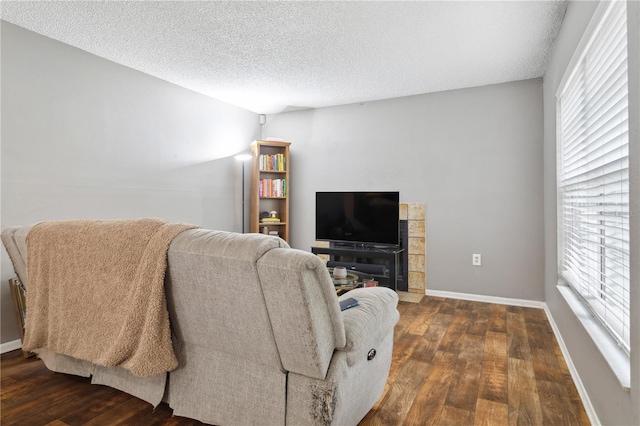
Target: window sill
[{"x": 617, "y": 358}]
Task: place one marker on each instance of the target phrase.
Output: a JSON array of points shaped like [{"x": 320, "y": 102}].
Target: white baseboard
[
  {"x": 10, "y": 346},
  {"x": 588, "y": 407},
  {"x": 487, "y": 299}
]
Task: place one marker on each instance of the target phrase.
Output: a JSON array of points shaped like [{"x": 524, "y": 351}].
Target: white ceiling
[{"x": 270, "y": 57}]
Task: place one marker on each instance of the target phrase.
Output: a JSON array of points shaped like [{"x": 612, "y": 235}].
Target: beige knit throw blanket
[{"x": 96, "y": 292}]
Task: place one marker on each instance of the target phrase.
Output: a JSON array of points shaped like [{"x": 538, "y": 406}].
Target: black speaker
[{"x": 367, "y": 268}]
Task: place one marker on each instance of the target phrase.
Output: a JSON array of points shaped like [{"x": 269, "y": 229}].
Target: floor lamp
[{"x": 243, "y": 158}]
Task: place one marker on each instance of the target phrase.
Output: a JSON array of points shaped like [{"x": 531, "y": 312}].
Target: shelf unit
[
  {"x": 278, "y": 198},
  {"x": 390, "y": 254}
]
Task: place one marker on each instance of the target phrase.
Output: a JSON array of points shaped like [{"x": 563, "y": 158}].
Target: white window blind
[{"x": 593, "y": 180}]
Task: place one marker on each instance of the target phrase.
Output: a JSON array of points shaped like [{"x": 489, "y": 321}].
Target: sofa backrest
[
  {"x": 303, "y": 309},
  {"x": 214, "y": 294},
  {"x": 247, "y": 295}
]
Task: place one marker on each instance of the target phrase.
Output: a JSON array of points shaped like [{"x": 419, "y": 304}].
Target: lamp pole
[
  {"x": 243, "y": 197},
  {"x": 243, "y": 158}
]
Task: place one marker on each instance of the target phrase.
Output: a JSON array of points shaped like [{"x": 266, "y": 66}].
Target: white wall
[
  {"x": 474, "y": 156},
  {"x": 613, "y": 404},
  {"x": 83, "y": 137}
]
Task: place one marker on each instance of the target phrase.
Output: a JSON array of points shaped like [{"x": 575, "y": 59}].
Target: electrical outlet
[{"x": 476, "y": 260}]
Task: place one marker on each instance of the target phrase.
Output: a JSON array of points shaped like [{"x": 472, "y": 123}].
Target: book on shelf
[
  {"x": 270, "y": 220},
  {"x": 273, "y": 162},
  {"x": 273, "y": 188}
]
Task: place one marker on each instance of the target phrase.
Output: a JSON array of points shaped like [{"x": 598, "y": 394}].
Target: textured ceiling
[{"x": 270, "y": 57}]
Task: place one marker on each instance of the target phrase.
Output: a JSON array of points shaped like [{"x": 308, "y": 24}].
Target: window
[{"x": 593, "y": 173}]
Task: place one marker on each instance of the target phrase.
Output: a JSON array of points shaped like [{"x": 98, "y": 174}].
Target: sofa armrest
[{"x": 367, "y": 324}]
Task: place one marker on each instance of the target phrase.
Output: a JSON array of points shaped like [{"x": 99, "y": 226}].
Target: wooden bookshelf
[{"x": 270, "y": 187}]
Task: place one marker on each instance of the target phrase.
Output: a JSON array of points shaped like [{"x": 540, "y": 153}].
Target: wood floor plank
[
  {"x": 410, "y": 313},
  {"x": 419, "y": 325},
  {"x": 454, "y": 362},
  {"x": 119, "y": 414},
  {"x": 429, "y": 401},
  {"x": 493, "y": 379},
  {"x": 538, "y": 335},
  {"x": 555, "y": 403},
  {"x": 451, "y": 416},
  {"x": 85, "y": 415},
  {"x": 396, "y": 403},
  {"x": 430, "y": 341},
  {"x": 535, "y": 315},
  {"x": 463, "y": 392},
  {"x": 467, "y": 305},
  {"x": 524, "y": 404},
  {"x": 156, "y": 417},
  {"x": 63, "y": 400},
  {"x": 576, "y": 401},
  {"x": 403, "y": 348},
  {"x": 23, "y": 407},
  {"x": 497, "y": 318},
  {"x": 448, "y": 306},
  {"x": 479, "y": 319},
  {"x": 517, "y": 340},
  {"x": 545, "y": 364},
  {"x": 452, "y": 339},
  {"x": 514, "y": 309},
  {"x": 490, "y": 413}
]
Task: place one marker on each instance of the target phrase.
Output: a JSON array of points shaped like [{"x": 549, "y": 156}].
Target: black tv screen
[{"x": 362, "y": 217}]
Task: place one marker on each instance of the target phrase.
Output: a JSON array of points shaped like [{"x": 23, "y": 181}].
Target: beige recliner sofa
[{"x": 258, "y": 334}]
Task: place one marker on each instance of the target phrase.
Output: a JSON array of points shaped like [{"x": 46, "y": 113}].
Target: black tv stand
[
  {"x": 368, "y": 252},
  {"x": 364, "y": 246}
]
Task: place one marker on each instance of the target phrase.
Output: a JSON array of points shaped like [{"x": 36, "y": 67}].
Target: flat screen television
[{"x": 359, "y": 217}]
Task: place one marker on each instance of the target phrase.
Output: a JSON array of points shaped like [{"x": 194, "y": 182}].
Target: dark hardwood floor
[{"x": 455, "y": 363}]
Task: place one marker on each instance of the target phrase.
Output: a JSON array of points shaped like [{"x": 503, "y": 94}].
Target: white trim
[
  {"x": 586, "y": 402},
  {"x": 10, "y": 346},
  {"x": 614, "y": 355},
  {"x": 584, "y": 396},
  {"x": 587, "y": 38},
  {"x": 488, "y": 299}
]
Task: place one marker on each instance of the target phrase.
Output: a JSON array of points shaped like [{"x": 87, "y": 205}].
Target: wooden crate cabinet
[{"x": 18, "y": 293}]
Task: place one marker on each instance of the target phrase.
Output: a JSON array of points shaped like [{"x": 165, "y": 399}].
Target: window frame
[{"x": 617, "y": 357}]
